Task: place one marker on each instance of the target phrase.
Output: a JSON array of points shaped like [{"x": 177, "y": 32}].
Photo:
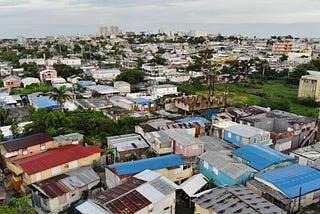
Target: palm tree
[{"x": 60, "y": 95}]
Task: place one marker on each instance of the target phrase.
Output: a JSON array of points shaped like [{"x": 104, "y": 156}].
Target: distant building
[
  {"x": 280, "y": 48},
  {"x": 104, "y": 31},
  {"x": 11, "y": 82},
  {"x": 47, "y": 75},
  {"x": 122, "y": 86}
]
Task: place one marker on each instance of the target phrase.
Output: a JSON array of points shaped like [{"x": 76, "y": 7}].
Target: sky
[{"x": 261, "y": 18}]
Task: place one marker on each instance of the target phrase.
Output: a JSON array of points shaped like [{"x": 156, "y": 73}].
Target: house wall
[
  {"x": 12, "y": 83},
  {"x": 45, "y": 174},
  {"x": 192, "y": 150},
  {"x": 162, "y": 148},
  {"x": 122, "y": 155},
  {"x": 233, "y": 138},
  {"x": 48, "y": 75},
  {"x": 112, "y": 179},
  {"x": 200, "y": 210},
  {"x": 221, "y": 178},
  {"x": 32, "y": 150},
  {"x": 176, "y": 174},
  {"x": 166, "y": 205}
]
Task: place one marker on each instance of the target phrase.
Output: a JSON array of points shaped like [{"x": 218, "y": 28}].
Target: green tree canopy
[{"x": 132, "y": 76}]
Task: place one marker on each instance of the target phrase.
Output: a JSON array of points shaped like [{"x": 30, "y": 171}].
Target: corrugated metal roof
[
  {"x": 80, "y": 177},
  {"x": 89, "y": 207},
  {"x": 290, "y": 179},
  {"x": 24, "y": 142},
  {"x": 235, "y": 199},
  {"x": 182, "y": 137},
  {"x": 45, "y": 102},
  {"x": 245, "y": 130},
  {"x": 226, "y": 164},
  {"x": 193, "y": 184},
  {"x": 133, "y": 167},
  {"x": 142, "y": 101},
  {"x": 193, "y": 119},
  {"x": 56, "y": 157},
  {"x": 261, "y": 157},
  {"x": 127, "y": 142}
]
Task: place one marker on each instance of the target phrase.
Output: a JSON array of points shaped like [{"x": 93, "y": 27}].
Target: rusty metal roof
[{"x": 25, "y": 142}]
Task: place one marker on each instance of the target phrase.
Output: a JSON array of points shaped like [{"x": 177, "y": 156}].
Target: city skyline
[{"x": 39, "y": 18}]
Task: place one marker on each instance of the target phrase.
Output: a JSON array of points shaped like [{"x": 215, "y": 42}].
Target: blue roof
[
  {"x": 261, "y": 157},
  {"x": 86, "y": 82},
  {"x": 45, "y": 102},
  {"x": 142, "y": 101},
  {"x": 87, "y": 72},
  {"x": 209, "y": 112},
  {"x": 137, "y": 166},
  {"x": 289, "y": 179},
  {"x": 193, "y": 119}
]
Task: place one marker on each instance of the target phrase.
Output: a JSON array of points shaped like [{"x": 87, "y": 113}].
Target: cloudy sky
[{"x": 38, "y": 18}]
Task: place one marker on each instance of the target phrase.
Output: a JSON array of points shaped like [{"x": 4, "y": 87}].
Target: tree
[
  {"x": 20, "y": 206},
  {"x": 60, "y": 95},
  {"x": 159, "y": 60},
  {"x": 210, "y": 183},
  {"x": 283, "y": 58},
  {"x": 132, "y": 76}
]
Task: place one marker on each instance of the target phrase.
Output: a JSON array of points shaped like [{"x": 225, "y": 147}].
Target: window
[
  {"x": 25, "y": 151},
  {"x": 38, "y": 176},
  {"x": 42, "y": 146},
  {"x": 229, "y": 134},
  {"x": 237, "y": 138},
  {"x": 206, "y": 165}
]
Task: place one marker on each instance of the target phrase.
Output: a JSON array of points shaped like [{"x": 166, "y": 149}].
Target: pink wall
[{"x": 194, "y": 149}]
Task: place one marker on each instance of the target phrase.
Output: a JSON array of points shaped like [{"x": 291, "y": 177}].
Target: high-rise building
[
  {"x": 104, "y": 31},
  {"x": 114, "y": 30}
]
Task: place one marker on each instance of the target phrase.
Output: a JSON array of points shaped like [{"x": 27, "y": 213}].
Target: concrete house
[
  {"x": 224, "y": 170},
  {"x": 25, "y": 147},
  {"x": 127, "y": 144},
  {"x": 122, "y": 102},
  {"x": 30, "y": 80},
  {"x": 56, "y": 194},
  {"x": 147, "y": 192},
  {"x": 54, "y": 162},
  {"x": 262, "y": 158},
  {"x": 162, "y": 90},
  {"x": 11, "y": 82},
  {"x": 172, "y": 166},
  {"x": 122, "y": 86},
  {"x": 142, "y": 104},
  {"x": 288, "y": 187},
  {"x": 160, "y": 142},
  {"x": 47, "y": 75},
  {"x": 72, "y": 138},
  {"x": 288, "y": 131},
  {"x": 241, "y": 135},
  {"x": 308, "y": 156},
  {"x": 105, "y": 74},
  {"x": 239, "y": 200}
]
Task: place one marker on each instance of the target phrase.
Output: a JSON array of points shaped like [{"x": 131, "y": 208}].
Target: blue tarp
[
  {"x": 45, "y": 102},
  {"x": 290, "y": 179},
  {"x": 261, "y": 157},
  {"x": 193, "y": 119},
  {"x": 137, "y": 166}
]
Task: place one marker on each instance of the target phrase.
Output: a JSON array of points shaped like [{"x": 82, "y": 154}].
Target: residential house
[
  {"x": 185, "y": 144},
  {"x": 122, "y": 86},
  {"x": 56, "y": 194},
  {"x": 103, "y": 90},
  {"x": 171, "y": 166},
  {"x": 72, "y": 138},
  {"x": 193, "y": 103},
  {"x": 105, "y": 74},
  {"x": 51, "y": 163},
  {"x": 142, "y": 104},
  {"x": 162, "y": 90},
  {"x": 122, "y": 102},
  {"x": 160, "y": 142},
  {"x": 290, "y": 188},
  {"x": 128, "y": 144},
  {"x": 29, "y": 80},
  {"x": 308, "y": 156},
  {"x": 10, "y": 101},
  {"x": 262, "y": 158},
  {"x": 309, "y": 86},
  {"x": 47, "y": 75},
  {"x": 223, "y": 169},
  {"x": 288, "y": 131},
  {"x": 241, "y": 135},
  {"x": 233, "y": 199},
  {"x": 11, "y": 82},
  {"x": 147, "y": 192},
  {"x": 193, "y": 185},
  {"x": 218, "y": 128},
  {"x": 25, "y": 147}
]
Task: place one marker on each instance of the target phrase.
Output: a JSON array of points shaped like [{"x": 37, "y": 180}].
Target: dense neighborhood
[{"x": 126, "y": 122}]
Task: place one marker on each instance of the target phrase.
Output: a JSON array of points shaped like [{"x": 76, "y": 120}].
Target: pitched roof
[
  {"x": 61, "y": 184},
  {"x": 56, "y": 157},
  {"x": 245, "y": 130},
  {"x": 133, "y": 167},
  {"x": 24, "y": 142},
  {"x": 261, "y": 157},
  {"x": 235, "y": 199},
  {"x": 290, "y": 179},
  {"x": 45, "y": 102}
]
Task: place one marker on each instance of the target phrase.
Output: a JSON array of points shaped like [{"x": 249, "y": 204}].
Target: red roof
[{"x": 56, "y": 157}]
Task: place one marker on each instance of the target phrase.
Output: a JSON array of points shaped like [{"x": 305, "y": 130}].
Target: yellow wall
[
  {"x": 47, "y": 173},
  {"x": 177, "y": 174},
  {"x": 309, "y": 86},
  {"x": 199, "y": 210}
]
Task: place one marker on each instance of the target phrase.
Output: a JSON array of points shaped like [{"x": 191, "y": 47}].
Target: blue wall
[
  {"x": 233, "y": 138},
  {"x": 222, "y": 178}
]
